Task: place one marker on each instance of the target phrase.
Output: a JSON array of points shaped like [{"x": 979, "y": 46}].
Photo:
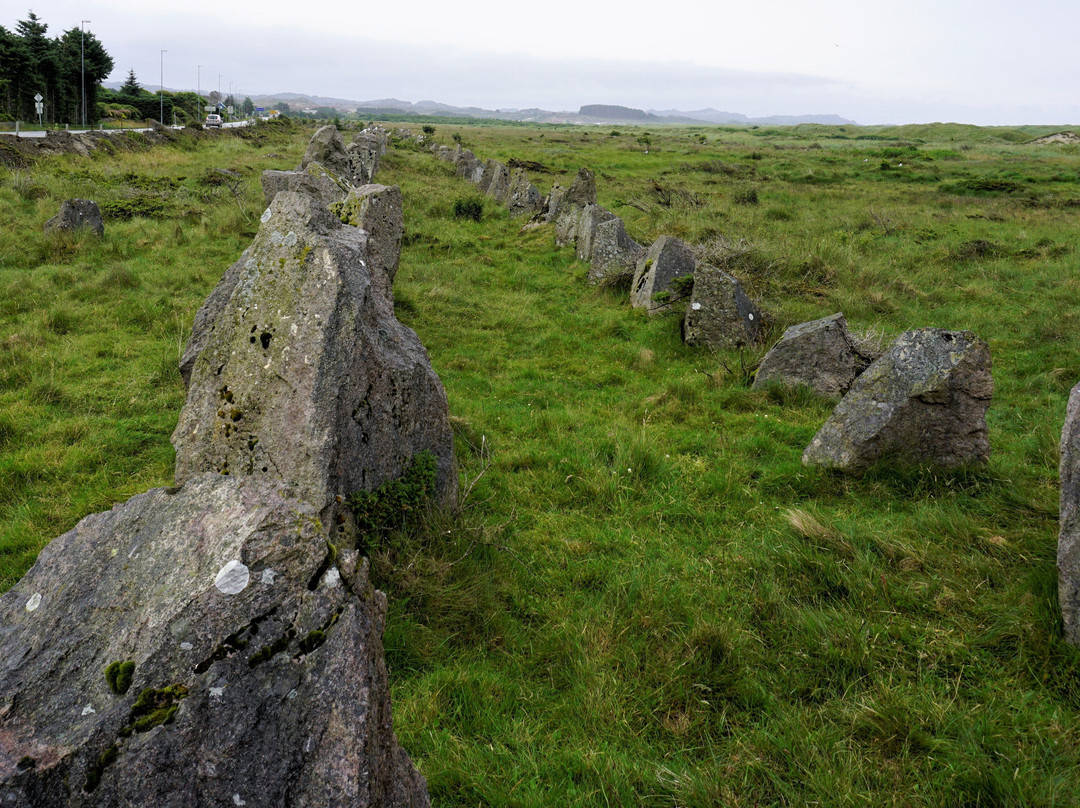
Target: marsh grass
[{"x": 645, "y": 598}]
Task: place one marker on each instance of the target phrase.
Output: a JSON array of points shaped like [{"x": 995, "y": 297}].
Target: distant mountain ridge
[{"x": 588, "y": 113}]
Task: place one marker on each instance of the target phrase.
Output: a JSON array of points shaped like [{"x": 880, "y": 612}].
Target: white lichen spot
[
  {"x": 88, "y": 710},
  {"x": 292, "y": 694},
  {"x": 268, "y": 576},
  {"x": 216, "y": 691},
  {"x": 233, "y": 578},
  {"x": 294, "y": 329},
  {"x": 265, "y": 217},
  {"x": 695, "y": 306},
  {"x": 237, "y": 801},
  {"x": 290, "y": 239},
  {"x": 751, "y": 315},
  {"x": 34, "y": 602},
  {"x": 332, "y": 578},
  {"x": 186, "y": 646}
]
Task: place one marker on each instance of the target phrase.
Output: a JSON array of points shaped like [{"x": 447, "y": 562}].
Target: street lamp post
[
  {"x": 161, "y": 90},
  {"x": 82, "y": 68},
  {"x": 198, "y": 93}
]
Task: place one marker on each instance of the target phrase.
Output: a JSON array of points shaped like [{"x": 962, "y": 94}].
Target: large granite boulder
[
  {"x": 923, "y": 402},
  {"x": 77, "y": 214},
  {"x": 301, "y": 372},
  {"x": 719, "y": 314},
  {"x": 592, "y": 216},
  {"x": 377, "y": 210},
  {"x": 468, "y": 166},
  {"x": 355, "y": 165},
  {"x": 313, "y": 180},
  {"x": 1068, "y": 550},
  {"x": 363, "y": 157},
  {"x": 522, "y": 197},
  {"x": 820, "y": 355},
  {"x": 194, "y": 647},
  {"x": 667, "y": 265}
]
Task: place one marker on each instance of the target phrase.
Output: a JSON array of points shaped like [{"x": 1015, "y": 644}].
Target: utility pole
[
  {"x": 161, "y": 90},
  {"x": 198, "y": 92},
  {"x": 82, "y": 68}
]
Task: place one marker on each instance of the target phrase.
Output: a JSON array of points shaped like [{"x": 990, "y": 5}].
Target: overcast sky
[{"x": 872, "y": 61}]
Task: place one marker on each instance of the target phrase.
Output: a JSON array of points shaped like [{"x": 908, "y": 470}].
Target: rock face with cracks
[
  {"x": 923, "y": 402},
  {"x": 720, "y": 315},
  {"x": 313, "y": 180},
  {"x": 302, "y": 373},
  {"x": 195, "y": 647},
  {"x": 377, "y": 210},
  {"x": 1068, "y": 550},
  {"x": 565, "y": 207},
  {"x": 820, "y": 355}
]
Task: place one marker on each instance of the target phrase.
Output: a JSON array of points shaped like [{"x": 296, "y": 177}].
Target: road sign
[
  {"x": 38, "y": 97},
  {"x": 229, "y": 109},
  {"x": 210, "y": 108},
  {"x": 39, "y": 108},
  {"x": 260, "y": 109}
]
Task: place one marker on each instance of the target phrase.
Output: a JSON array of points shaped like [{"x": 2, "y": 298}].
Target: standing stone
[
  {"x": 377, "y": 210},
  {"x": 820, "y": 355},
  {"x": 592, "y": 216},
  {"x": 197, "y": 647},
  {"x": 522, "y": 197},
  {"x": 1068, "y": 551},
  {"x": 923, "y": 402},
  {"x": 720, "y": 315},
  {"x": 302, "y": 373},
  {"x": 569, "y": 205},
  {"x": 328, "y": 150},
  {"x": 77, "y": 214},
  {"x": 614, "y": 254},
  {"x": 495, "y": 181},
  {"x": 466, "y": 164},
  {"x": 665, "y": 261}
]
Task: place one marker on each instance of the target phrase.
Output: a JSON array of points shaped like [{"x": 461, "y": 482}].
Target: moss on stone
[{"x": 118, "y": 675}]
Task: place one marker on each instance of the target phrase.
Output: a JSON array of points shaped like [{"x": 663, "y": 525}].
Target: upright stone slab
[
  {"x": 1068, "y": 550},
  {"x": 666, "y": 260},
  {"x": 923, "y": 402},
  {"x": 75, "y": 215},
  {"x": 523, "y": 198},
  {"x": 466, "y": 164},
  {"x": 495, "y": 181},
  {"x": 302, "y": 373},
  {"x": 592, "y": 216},
  {"x": 613, "y": 255},
  {"x": 567, "y": 211},
  {"x": 377, "y": 210},
  {"x": 195, "y": 647},
  {"x": 820, "y": 355},
  {"x": 719, "y": 314},
  {"x": 328, "y": 150}
]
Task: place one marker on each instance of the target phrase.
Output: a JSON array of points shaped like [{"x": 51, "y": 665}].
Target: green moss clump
[
  {"x": 154, "y": 707},
  {"x": 105, "y": 759},
  {"x": 265, "y": 653},
  {"x": 390, "y": 504},
  {"x": 118, "y": 675}
]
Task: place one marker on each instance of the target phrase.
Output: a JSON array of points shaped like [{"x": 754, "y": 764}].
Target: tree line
[{"x": 31, "y": 63}]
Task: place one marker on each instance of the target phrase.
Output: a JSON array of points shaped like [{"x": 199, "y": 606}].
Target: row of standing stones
[
  {"x": 219, "y": 642},
  {"x": 922, "y": 401}
]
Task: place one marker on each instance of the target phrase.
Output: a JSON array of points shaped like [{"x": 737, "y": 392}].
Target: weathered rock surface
[
  {"x": 820, "y": 354},
  {"x": 255, "y": 665},
  {"x": 468, "y": 166},
  {"x": 313, "y": 180},
  {"x": 565, "y": 208},
  {"x": 77, "y": 214},
  {"x": 377, "y": 210},
  {"x": 923, "y": 402},
  {"x": 602, "y": 240},
  {"x": 302, "y": 373},
  {"x": 720, "y": 315},
  {"x": 522, "y": 197},
  {"x": 666, "y": 260},
  {"x": 495, "y": 181},
  {"x": 355, "y": 165},
  {"x": 1068, "y": 550}
]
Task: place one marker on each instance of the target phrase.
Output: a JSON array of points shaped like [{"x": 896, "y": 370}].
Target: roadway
[{"x": 42, "y": 133}]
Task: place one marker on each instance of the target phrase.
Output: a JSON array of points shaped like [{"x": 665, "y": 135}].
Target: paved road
[{"x": 37, "y": 133}]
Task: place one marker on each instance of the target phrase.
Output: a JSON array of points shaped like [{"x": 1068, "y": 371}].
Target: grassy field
[{"x": 645, "y": 598}]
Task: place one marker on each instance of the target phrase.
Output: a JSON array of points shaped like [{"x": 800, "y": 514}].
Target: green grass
[{"x": 645, "y": 599}]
